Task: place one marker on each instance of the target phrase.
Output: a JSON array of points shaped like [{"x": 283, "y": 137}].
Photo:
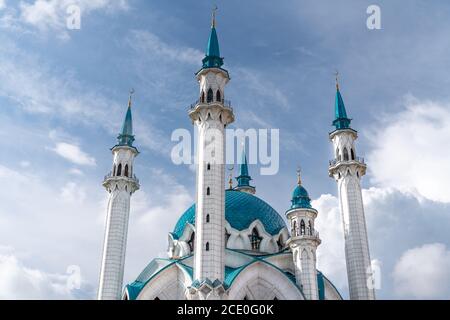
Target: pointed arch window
[
  {"x": 345, "y": 154},
  {"x": 218, "y": 96},
  {"x": 255, "y": 239},
  {"x": 208, "y": 191},
  {"x": 302, "y": 228},
  {"x": 119, "y": 170},
  {"x": 202, "y": 97},
  {"x": 353, "y": 154},
  {"x": 126, "y": 170},
  {"x": 191, "y": 242},
  {"x": 210, "y": 96},
  {"x": 280, "y": 243},
  {"x": 310, "y": 228},
  {"x": 208, "y": 166},
  {"x": 114, "y": 170},
  {"x": 207, "y": 246},
  {"x": 207, "y": 218},
  {"x": 227, "y": 237},
  {"x": 338, "y": 157}
]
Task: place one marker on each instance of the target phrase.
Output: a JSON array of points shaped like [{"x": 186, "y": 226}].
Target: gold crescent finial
[
  {"x": 299, "y": 177},
  {"x": 336, "y": 74},
  {"x": 213, "y": 21},
  {"x": 130, "y": 97}
]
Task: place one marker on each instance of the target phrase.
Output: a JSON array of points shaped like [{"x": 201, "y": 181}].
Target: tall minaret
[
  {"x": 210, "y": 114},
  {"x": 121, "y": 183},
  {"x": 304, "y": 241},
  {"x": 347, "y": 169},
  {"x": 244, "y": 178}
]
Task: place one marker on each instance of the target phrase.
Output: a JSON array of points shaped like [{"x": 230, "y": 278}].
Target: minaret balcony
[
  {"x": 295, "y": 237},
  {"x": 223, "y": 103},
  {"x": 357, "y": 160},
  {"x": 110, "y": 176}
]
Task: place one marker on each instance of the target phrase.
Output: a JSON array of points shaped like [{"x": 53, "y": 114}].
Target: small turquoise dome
[
  {"x": 241, "y": 209},
  {"x": 300, "y": 198}
]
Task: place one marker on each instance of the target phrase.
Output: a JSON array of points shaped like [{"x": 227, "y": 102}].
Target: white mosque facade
[{"x": 230, "y": 244}]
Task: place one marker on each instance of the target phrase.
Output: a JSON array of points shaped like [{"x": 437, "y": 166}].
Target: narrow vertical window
[
  {"x": 210, "y": 96},
  {"x": 208, "y": 191},
  {"x": 302, "y": 228},
  {"x": 218, "y": 96},
  {"x": 207, "y": 246},
  {"x": 207, "y": 218},
  {"x": 126, "y": 170},
  {"x": 353, "y": 154},
  {"x": 202, "y": 98},
  {"x": 119, "y": 170},
  {"x": 345, "y": 154},
  {"x": 310, "y": 228},
  {"x": 208, "y": 166},
  {"x": 255, "y": 239},
  {"x": 191, "y": 242}
]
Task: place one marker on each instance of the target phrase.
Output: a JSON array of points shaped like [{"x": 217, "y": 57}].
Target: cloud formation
[{"x": 74, "y": 154}]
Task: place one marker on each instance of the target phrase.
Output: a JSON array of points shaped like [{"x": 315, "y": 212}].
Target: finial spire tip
[
  {"x": 299, "y": 176},
  {"x": 130, "y": 98},
  {"x": 213, "y": 21}
]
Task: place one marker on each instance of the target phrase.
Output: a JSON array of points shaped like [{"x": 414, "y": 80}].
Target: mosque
[{"x": 230, "y": 244}]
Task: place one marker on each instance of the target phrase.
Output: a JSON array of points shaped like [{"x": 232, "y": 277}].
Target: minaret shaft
[{"x": 347, "y": 169}]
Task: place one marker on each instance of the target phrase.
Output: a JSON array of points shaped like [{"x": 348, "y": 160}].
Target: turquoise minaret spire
[
  {"x": 341, "y": 120},
  {"x": 212, "y": 58},
  {"x": 126, "y": 137},
  {"x": 244, "y": 178}
]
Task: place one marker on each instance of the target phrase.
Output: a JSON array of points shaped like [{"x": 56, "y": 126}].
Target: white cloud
[
  {"x": 74, "y": 154},
  {"x": 73, "y": 193},
  {"x": 18, "y": 281},
  {"x": 150, "y": 44},
  {"x": 409, "y": 150},
  {"x": 423, "y": 272}
]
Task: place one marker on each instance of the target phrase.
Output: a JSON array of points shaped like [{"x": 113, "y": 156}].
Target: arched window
[
  {"x": 126, "y": 170},
  {"x": 353, "y": 154},
  {"x": 338, "y": 157},
  {"x": 114, "y": 170},
  {"x": 294, "y": 229},
  {"x": 302, "y": 228},
  {"x": 345, "y": 154},
  {"x": 210, "y": 96},
  {"x": 119, "y": 170},
  {"x": 280, "y": 243},
  {"x": 202, "y": 98},
  {"x": 191, "y": 242},
  {"x": 208, "y": 166},
  {"x": 255, "y": 239},
  {"x": 218, "y": 96},
  {"x": 207, "y": 246},
  {"x": 207, "y": 218},
  {"x": 310, "y": 228},
  {"x": 208, "y": 191}
]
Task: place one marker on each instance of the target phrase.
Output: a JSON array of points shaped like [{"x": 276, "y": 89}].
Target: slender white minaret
[
  {"x": 121, "y": 183},
  {"x": 210, "y": 114},
  {"x": 347, "y": 169},
  {"x": 304, "y": 241}
]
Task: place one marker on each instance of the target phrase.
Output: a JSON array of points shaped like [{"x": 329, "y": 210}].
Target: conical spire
[
  {"x": 244, "y": 178},
  {"x": 212, "y": 58},
  {"x": 341, "y": 120},
  {"x": 126, "y": 137}
]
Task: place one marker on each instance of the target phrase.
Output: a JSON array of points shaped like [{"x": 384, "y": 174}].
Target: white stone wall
[
  {"x": 348, "y": 173},
  {"x": 120, "y": 189}
]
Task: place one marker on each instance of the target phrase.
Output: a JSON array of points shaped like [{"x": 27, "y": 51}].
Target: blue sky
[{"x": 63, "y": 96}]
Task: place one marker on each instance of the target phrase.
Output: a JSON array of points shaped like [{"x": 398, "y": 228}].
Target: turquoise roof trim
[
  {"x": 341, "y": 120},
  {"x": 321, "y": 285},
  {"x": 126, "y": 137},
  {"x": 241, "y": 209}
]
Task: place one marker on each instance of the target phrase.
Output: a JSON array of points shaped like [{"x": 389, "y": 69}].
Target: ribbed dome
[{"x": 241, "y": 209}]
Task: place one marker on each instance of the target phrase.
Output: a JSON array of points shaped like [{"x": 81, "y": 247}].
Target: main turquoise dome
[{"x": 241, "y": 209}]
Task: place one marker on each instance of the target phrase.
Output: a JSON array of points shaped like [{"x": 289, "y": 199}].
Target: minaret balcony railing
[
  {"x": 306, "y": 235},
  {"x": 110, "y": 176},
  {"x": 224, "y": 102},
  {"x": 335, "y": 162}
]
